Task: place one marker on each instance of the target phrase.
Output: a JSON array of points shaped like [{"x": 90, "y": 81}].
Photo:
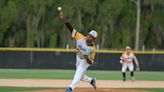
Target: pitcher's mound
[{"x": 92, "y": 90}]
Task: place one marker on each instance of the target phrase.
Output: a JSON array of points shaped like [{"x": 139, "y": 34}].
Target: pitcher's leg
[
  {"x": 78, "y": 60},
  {"x": 77, "y": 77},
  {"x": 86, "y": 78},
  {"x": 81, "y": 69}
]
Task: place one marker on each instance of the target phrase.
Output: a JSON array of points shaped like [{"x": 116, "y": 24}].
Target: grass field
[
  {"x": 68, "y": 74},
  {"x": 20, "y": 89},
  {"x": 17, "y": 89}
]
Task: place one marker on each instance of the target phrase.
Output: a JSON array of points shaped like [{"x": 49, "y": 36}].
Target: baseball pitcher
[
  {"x": 126, "y": 60},
  {"x": 85, "y": 54}
]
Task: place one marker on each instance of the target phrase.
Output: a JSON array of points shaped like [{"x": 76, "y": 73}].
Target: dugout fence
[{"x": 43, "y": 58}]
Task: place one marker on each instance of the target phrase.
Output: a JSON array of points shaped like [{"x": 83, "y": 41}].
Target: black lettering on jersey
[{"x": 81, "y": 48}]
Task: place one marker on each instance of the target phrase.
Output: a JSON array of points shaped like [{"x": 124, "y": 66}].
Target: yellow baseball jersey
[
  {"x": 82, "y": 45},
  {"x": 128, "y": 58}
]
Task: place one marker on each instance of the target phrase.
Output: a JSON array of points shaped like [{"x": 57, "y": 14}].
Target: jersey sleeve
[
  {"x": 76, "y": 35},
  {"x": 122, "y": 57},
  {"x": 134, "y": 56}
]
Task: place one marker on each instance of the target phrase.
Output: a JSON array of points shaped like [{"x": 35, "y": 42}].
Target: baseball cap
[
  {"x": 93, "y": 33},
  {"x": 127, "y": 48}
]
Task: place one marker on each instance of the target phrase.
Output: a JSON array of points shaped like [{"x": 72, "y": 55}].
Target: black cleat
[
  {"x": 93, "y": 83},
  {"x": 124, "y": 79}
]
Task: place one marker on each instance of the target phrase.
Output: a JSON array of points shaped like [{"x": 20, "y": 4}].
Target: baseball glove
[{"x": 138, "y": 68}]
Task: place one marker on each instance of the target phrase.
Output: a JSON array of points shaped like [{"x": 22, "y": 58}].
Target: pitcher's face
[{"x": 90, "y": 39}]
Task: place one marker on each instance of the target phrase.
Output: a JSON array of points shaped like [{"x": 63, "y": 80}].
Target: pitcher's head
[{"x": 91, "y": 36}]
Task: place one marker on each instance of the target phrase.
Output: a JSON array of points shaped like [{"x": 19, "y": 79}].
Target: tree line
[{"x": 36, "y": 23}]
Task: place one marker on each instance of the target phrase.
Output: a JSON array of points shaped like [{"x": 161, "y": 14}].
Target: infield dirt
[{"x": 103, "y": 85}]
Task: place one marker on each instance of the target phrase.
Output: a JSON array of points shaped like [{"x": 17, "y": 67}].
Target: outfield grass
[{"x": 68, "y": 74}]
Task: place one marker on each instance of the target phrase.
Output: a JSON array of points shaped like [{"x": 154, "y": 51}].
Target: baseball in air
[{"x": 59, "y": 8}]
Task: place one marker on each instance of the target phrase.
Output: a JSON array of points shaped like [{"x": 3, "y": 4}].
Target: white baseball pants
[
  {"x": 130, "y": 66},
  {"x": 81, "y": 68}
]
